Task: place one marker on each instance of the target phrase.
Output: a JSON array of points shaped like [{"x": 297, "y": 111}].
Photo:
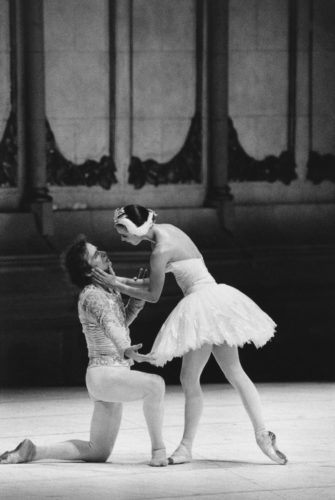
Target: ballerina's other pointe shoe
[
  {"x": 266, "y": 440},
  {"x": 24, "y": 452},
  {"x": 181, "y": 456},
  {"x": 158, "y": 458}
]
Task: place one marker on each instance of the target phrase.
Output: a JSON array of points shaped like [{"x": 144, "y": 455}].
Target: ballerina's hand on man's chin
[{"x": 100, "y": 277}]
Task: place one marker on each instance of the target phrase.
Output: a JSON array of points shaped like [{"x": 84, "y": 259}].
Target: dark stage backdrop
[{"x": 42, "y": 343}]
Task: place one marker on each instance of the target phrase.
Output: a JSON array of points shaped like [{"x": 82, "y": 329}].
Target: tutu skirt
[{"x": 212, "y": 314}]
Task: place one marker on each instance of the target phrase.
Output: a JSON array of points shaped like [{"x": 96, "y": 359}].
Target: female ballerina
[
  {"x": 109, "y": 380},
  {"x": 211, "y": 319}
]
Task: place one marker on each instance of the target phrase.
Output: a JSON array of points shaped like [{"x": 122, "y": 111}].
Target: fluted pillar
[
  {"x": 37, "y": 195},
  {"x": 218, "y": 190}
]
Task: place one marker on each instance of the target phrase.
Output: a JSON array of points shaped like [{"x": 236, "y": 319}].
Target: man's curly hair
[{"x": 75, "y": 263}]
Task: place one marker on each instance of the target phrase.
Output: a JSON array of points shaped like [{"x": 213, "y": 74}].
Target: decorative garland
[
  {"x": 62, "y": 172},
  {"x": 320, "y": 167},
  {"x": 8, "y": 153},
  {"x": 184, "y": 167},
  {"x": 242, "y": 167}
]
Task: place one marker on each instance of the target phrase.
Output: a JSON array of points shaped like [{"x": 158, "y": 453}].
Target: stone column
[
  {"x": 37, "y": 196},
  {"x": 218, "y": 190}
]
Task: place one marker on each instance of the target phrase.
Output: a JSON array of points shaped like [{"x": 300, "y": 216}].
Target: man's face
[{"x": 97, "y": 258}]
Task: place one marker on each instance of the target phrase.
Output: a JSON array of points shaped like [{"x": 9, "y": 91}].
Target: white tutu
[{"x": 211, "y": 314}]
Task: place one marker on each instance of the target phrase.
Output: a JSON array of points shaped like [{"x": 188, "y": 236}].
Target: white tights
[
  {"x": 105, "y": 426},
  {"x": 110, "y": 387},
  {"x": 228, "y": 359}
]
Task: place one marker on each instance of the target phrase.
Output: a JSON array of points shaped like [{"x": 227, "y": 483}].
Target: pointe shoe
[
  {"x": 180, "y": 456},
  {"x": 24, "y": 452},
  {"x": 266, "y": 440},
  {"x": 158, "y": 458}
]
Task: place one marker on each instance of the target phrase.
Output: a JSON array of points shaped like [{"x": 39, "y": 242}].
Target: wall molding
[{"x": 8, "y": 153}]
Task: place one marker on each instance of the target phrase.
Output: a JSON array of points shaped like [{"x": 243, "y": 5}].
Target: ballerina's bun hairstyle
[
  {"x": 135, "y": 218},
  {"x": 74, "y": 261},
  {"x": 137, "y": 214}
]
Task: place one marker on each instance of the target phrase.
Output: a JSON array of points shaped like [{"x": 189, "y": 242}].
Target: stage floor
[{"x": 227, "y": 462}]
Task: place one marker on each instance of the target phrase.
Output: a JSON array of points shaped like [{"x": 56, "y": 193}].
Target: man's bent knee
[
  {"x": 100, "y": 456},
  {"x": 157, "y": 385}
]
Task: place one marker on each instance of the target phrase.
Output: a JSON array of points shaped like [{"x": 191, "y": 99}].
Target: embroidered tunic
[{"x": 105, "y": 321}]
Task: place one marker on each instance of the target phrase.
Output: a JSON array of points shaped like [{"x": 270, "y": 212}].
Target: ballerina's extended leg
[{"x": 228, "y": 359}]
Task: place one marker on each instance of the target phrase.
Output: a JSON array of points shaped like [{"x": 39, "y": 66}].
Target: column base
[
  {"x": 222, "y": 199},
  {"x": 40, "y": 195},
  {"x": 42, "y": 211}
]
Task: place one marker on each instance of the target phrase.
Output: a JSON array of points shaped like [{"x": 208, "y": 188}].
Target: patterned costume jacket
[{"x": 105, "y": 322}]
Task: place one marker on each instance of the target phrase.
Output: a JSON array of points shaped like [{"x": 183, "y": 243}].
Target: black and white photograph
[{"x": 167, "y": 249}]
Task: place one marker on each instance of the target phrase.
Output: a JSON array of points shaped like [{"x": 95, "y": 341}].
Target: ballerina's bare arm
[
  {"x": 141, "y": 280},
  {"x": 150, "y": 292},
  {"x": 138, "y": 283}
]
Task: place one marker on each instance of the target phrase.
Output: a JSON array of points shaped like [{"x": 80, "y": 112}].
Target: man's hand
[{"x": 131, "y": 352}]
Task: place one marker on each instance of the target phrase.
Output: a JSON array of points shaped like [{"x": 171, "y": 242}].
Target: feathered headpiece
[{"x": 120, "y": 217}]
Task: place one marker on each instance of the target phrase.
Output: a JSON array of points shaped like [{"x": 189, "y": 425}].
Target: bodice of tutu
[{"x": 190, "y": 274}]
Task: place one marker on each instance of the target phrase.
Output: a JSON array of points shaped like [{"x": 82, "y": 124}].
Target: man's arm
[
  {"x": 106, "y": 315},
  {"x": 132, "y": 308}
]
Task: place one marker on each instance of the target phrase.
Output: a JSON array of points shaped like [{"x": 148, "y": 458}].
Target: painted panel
[
  {"x": 77, "y": 76},
  {"x": 163, "y": 75},
  {"x": 258, "y": 75},
  {"x": 4, "y": 65}
]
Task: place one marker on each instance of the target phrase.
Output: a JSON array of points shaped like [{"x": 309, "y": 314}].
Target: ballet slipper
[
  {"x": 158, "y": 458},
  {"x": 24, "y": 452},
  {"x": 266, "y": 440},
  {"x": 180, "y": 456}
]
